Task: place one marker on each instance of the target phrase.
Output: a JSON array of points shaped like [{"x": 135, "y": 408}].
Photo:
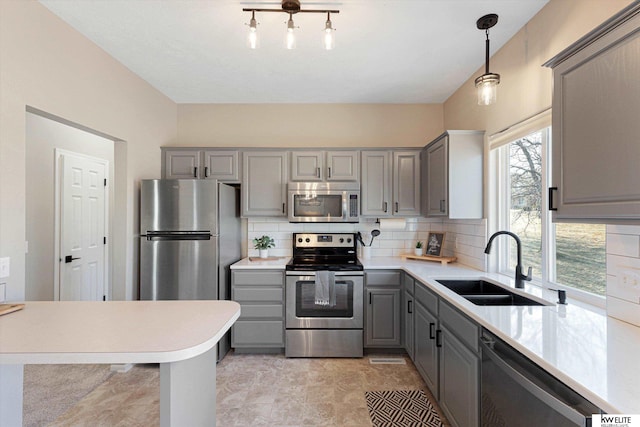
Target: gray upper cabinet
[
  {"x": 343, "y": 165},
  {"x": 181, "y": 164},
  {"x": 324, "y": 166},
  {"x": 191, "y": 163},
  {"x": 390, "y": 183},
  {"x": 264, "y": 183},
  {"x": 452, "y": 175},
  {"x": 223, "y": 165},
  {"x": 595, "y": 126}
]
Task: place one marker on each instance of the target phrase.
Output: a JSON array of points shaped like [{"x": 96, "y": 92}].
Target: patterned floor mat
[{"x": 406, "y": 408}]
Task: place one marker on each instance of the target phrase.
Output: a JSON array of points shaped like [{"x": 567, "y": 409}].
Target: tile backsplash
[
  {"x": 464, "y": 238},
  {"x": 623, "y": 272}
]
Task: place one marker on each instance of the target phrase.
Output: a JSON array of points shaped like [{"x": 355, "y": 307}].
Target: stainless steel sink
[{"x": 481, "y": 292}]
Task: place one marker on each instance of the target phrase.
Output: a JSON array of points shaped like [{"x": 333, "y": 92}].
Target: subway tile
[
  {"x": 624, "y": 229},
  {"x": 623, "y": 244}
]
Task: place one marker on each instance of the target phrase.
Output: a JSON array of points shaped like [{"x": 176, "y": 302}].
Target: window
[{"x": 561, "y": 255}]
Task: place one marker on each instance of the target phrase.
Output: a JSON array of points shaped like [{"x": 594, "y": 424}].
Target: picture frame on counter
[{"x": 435, "y": 242}]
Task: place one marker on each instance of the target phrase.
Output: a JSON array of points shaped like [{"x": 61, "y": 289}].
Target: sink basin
[{"x": 481, "y": 292}]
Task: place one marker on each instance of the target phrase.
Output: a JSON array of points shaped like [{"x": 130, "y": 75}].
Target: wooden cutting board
[
  {"x": 444, "y": 260},
  {"x": 10, "y": 308}
]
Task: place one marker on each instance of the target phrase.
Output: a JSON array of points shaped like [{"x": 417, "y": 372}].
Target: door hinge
[
  {"x": 105, "y": 182},
  {"x": 104, "y": 240}
]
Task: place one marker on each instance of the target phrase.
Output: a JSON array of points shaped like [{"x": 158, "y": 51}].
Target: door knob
[{"x": 69, "y": 258}]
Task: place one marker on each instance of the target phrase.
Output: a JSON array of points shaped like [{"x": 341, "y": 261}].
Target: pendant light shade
[
  {"x": 290, "y": 37},
  {"x": 329, "y": 38},
  {"x": 252, "y": 37},
  {"x": 487, "y": 84}
]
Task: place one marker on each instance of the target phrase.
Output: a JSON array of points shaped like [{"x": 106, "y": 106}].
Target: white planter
[
  {"x": 264, "y": 253},
  {"x": 418, "y": 251}
]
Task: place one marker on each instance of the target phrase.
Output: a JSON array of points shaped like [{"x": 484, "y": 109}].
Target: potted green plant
[
  {"x": 262, "y": 244},
  {"x": 419, "y": 248}
]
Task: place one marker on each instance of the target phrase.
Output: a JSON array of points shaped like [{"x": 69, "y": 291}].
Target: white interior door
[{"x": 82, "y": 228}]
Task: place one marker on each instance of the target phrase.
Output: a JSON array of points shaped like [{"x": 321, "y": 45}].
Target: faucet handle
[{"x": 528, "y": 276}]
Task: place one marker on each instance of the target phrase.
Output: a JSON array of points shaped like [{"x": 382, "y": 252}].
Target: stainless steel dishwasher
[{"x": 518, "y": 393}]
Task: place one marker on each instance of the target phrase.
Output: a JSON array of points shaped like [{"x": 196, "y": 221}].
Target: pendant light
[
  {"x": 329, "y": 34},
  {"x": 290, "y": 37},
  {"x": 487, "y": 84},
  {"x": 252, "y": 38}
]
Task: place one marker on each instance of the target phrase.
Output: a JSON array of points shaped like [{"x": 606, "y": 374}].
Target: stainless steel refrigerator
[{"x": 190, "y": 235}]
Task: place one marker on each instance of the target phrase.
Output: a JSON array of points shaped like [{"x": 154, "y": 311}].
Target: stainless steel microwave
[{"x": 324, "y": 202}]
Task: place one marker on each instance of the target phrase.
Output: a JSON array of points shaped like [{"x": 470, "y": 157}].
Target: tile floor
[{"x": 255, "y": 390}]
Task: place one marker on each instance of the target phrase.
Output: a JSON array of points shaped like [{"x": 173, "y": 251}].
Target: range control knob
[
  {"x": 307, "y": 240},
  {"x": 299, "y": 239},
  {"x": 341, "y": 240},
  {"x": 349, "y": 240}
]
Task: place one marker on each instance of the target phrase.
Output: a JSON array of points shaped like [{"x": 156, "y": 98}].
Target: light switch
[
  {"x": 5, "y": 267},
  {"x": 3, "y": 292}
]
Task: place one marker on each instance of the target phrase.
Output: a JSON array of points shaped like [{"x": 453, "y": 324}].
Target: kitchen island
[{"x": 179, "y": 335}]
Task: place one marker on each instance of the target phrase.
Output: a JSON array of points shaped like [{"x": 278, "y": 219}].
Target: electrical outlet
[{"x": 5, "y": 267}]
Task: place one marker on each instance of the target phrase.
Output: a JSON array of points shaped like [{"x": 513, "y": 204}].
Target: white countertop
[
  {"x": 113, "y": 331},
  {"x": 592, "y": 353},
  {"x": 247, "y": 264}
]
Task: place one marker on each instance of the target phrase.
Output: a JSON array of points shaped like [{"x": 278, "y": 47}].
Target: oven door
[{"x": 303, "y": 313}]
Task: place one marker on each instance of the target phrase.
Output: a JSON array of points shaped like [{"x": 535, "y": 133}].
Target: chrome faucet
[{"x": 519, "y": 275}]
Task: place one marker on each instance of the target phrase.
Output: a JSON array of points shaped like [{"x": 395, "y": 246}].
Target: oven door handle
[{"x": 517, "y": 376}]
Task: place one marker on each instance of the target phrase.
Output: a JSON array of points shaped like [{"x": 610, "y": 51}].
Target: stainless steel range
[{"x": 324, "y": 297}]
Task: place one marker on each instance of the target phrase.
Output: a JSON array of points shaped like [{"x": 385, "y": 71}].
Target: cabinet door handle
[
  {"x": 369, "y": 298},
  {"x": 385, "y": 207},
  {"x": 329, "y": 172},
  {"x": 396, "y": 207},
  {"x": 282, "y": 207},
  {"x": 206, "y": 172},
  {"x": 439, "y": 338},
  {"x": 441, "y": 205},
  {"x": 195, "y": 172},
  {"x": 409, "y": 307},
  {"x": 432, "y": 334},
  {"x": 551, "y": 190},
  {"x": 318, "y": 172}
]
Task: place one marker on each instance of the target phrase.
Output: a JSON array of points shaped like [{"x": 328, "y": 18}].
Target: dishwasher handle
[{"x": 515, "y": 374}]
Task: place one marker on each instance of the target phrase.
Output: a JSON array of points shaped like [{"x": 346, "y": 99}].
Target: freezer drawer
[{"x": 178, "y": 269}]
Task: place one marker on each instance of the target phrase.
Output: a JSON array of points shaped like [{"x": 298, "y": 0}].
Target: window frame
[{"x": 501, "y": 199}]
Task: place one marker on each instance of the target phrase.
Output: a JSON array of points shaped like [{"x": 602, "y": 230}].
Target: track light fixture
[
  {"x": 291, "y": 7},
  {"x": 487, "y": 84}
]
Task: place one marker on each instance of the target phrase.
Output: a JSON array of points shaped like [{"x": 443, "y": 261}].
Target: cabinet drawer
[
  {"x": 383, "y": 278},
  {"x": 261, "y": 310},
  {"x": 258, "y": 278},
  {"x": 247, "y": 333},
  {"x": 464, "y": 328},
  {"x": 427, "y": 298},
  {"x": 257, "y": 293}
]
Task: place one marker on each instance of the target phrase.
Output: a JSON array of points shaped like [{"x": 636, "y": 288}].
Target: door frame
[{"x": 57, "y": 258}]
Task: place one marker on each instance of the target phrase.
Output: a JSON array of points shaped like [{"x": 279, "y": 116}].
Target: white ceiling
[{"x": 393, "y": 51}]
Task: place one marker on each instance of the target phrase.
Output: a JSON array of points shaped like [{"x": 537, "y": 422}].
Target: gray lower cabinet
[
  {"x": 447, "y": 355},
  {"x": 264, "y": 183},
  {"x": 408, "y": 315},
  {"x": 427, "y": 356},
  {"x": 382, "y": 309},
  {"x": 260, "y": 294}
]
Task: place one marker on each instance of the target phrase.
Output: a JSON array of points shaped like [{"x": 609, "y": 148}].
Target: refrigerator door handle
[{"x": 159, "y": 237}]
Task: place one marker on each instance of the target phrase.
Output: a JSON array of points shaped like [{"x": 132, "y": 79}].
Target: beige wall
[
  {"x": 308, "y": 125},
  {"x": 47, "y": 65},
  {"x": 525, "y": 86}
]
